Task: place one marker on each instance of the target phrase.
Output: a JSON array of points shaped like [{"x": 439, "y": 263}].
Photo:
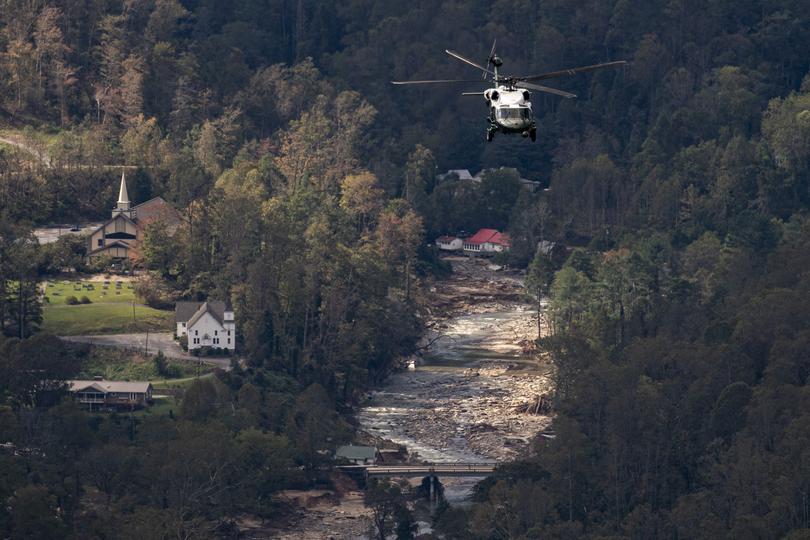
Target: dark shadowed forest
[{"x": 677, "y": 195}]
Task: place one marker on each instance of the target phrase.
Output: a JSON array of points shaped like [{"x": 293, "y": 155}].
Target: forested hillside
[{"x": 679, "y": 189}]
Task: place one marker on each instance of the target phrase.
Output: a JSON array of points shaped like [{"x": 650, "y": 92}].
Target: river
[{"x": 461, "y": 403}]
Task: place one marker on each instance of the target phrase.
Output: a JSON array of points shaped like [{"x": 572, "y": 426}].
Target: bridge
[
  {"x": 432, "y": 469},
  {"x": 429, "y": 473}
]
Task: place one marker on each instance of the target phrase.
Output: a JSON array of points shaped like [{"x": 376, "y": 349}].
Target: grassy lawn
[
  {"x": 119, "y": 365},
  {"x": 57, "y": 291},
  {"x": 161, "y": 406},
  {"x": 110, "y": 309},
  {"x": 105, "y": 318},
  {"x": 205, "y": 371}
]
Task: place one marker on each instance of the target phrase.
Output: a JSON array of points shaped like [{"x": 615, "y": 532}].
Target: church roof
[
  {"x": 190, "y": 312},
  {"x": 123, "y": 196},
  {"x": 155, "y": 209}
]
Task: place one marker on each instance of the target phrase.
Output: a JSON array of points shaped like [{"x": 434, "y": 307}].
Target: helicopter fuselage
[{"x": 510, "y": 110}]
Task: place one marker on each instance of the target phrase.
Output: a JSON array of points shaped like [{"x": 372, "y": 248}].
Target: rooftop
[
  {"x": 492, "y": 236},
  {"x": 356, "y": 452},
  {"x": 190, "y": 312},
  {"x": 126, "y": 387}
]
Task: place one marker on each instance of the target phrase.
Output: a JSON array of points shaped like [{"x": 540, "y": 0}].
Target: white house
[
  {"x": 487, "y": 242},
  {"x": 206, "y": 324},
  {"x": 449, "y": 243}
]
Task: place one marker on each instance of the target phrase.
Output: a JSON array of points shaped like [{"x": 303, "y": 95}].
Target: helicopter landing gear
[{"x": 533, "y": 134}]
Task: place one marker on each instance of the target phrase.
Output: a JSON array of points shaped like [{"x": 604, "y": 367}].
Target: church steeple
[{"x": 124, "y": 206}]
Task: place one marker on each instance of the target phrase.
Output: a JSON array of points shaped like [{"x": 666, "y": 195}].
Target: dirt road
[{"x": 157, "y": 342}]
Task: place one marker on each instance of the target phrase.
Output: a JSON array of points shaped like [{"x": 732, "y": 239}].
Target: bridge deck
[{"x": 436, "y": 469}]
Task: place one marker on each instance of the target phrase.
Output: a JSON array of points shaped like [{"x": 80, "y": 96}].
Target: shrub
[
  {"x": 85, "y": 300},
  {"x": 155, "y": 293},
  {"x": 71, "y": 300}
]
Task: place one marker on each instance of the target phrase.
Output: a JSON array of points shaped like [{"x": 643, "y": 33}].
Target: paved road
[
  {"x": 46, "y": 235},
  {"x": 157, "y": 342}
]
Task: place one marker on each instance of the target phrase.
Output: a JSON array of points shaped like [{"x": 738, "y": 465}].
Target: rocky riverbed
[{"x": 467, "y": 402}]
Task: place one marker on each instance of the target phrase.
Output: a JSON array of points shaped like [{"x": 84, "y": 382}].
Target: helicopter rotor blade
[
  {"x": 571, "y": 71},
  {"x": 468, "y": 61},
  {"x": 546, "y": 89},
  {"x": 491, "y": 54},
  {"x": 438, "y": 81}
]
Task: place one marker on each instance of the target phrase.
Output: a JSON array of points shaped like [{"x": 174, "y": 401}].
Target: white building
[
  {"x": 487, "y": 242},
  {"x": 449, "y": 243},
  {"x": 206, "y": 324}
]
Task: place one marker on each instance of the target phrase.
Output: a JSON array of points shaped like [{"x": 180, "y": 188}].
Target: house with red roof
[{"x": 487, "y": 242}]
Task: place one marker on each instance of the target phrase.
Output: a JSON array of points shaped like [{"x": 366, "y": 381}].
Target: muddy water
[{"x": 458, "y": 405}]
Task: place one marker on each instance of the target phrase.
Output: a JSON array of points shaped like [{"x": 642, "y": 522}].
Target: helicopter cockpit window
[{"x": 513, "y": 113}]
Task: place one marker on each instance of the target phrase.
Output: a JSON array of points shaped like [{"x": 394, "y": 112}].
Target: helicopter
[{"x": 509, "y": 100}]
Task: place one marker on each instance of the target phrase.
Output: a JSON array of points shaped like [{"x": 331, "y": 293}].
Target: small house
[
  {"x": 462, "y": 175},
  {"x": 358, "y": 455},
  {"x": 206, "y": 324},
  {"x": 487, "y": 242},
  {"x": 111, "y": 395},
  {"x": 449, "y": 243}
]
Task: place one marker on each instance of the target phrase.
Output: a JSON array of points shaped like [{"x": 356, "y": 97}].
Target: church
[{"x": 120, "y": 238}]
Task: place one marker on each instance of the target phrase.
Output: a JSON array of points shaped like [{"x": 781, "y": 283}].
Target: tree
[
  {"x": 399, "y": 232},
  {"x": 420, "y": 173},
  {"x": 497, "y": 193},
  {"x": 313, "y": 426},
  {"x": 362, "y": 197},
  {"x": 201, "y": 400},
  {"x": 388, "y": 510},
  {"x": 539, "y": 277},
  {"x": 35, "y": 514}
]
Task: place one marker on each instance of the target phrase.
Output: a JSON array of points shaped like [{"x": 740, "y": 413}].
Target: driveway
[{"x": 157, "y": 342}]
